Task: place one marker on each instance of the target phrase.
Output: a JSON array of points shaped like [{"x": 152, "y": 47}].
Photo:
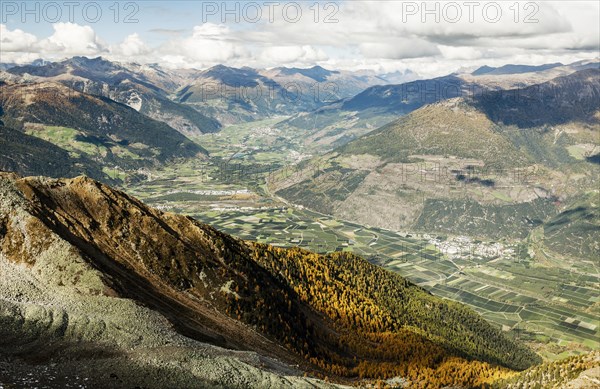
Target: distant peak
[
  {"x": 317, "y": 72},
  {"x": 514, "y": 69},
  {"x": 89, "y": 62},
  {"x": 483, "y": 70},
  {"x": 86, "y": 59},
  {"x": 220, "y": 67}
]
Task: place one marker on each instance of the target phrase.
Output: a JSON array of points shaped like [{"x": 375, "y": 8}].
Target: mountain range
[
  {"x": 234, "y": 95},
  {"x": 338, "y": 123},
  {"x": 145, "y": 88},
  {"x": 514, "y": 69},
  {"x": 200, "y": 101}
]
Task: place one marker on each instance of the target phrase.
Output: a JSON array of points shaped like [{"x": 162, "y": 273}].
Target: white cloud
[
  {"x": 461, "y": 53},
  {"x": 293, "y": 54},
  {"x": 209, "y": 44},
  {"x": 368, "y": 34},
  {"x": 72, "y": 39},
  {"x": 15, "y": 40},
  {"x": 132, "y": 46},
  {"x": 399, "y": 49},
  {"x": 211, "y": 30}
]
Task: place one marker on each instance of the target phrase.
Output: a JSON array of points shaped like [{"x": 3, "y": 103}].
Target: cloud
[
  {"x": 460, "y": 53},
  {"x": 15, "y": 40},
  {"x": 131, "y": 46},
  {"x": 68, "y": 39},
  {"x": 72, "y": 39},
  {"x": 212, "y": 31},
  {"x": 367, "y": 34},
  {"x": 167, "y": 31},
  {"x": 399, "y": 49},
  {"x": 293, "y": 54},
  {"x": 469, "y": 24},
  {"x": 209, "y": 44}
]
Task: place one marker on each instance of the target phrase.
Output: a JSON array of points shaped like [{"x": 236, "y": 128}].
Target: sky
[{"x": 430, "y": 38}]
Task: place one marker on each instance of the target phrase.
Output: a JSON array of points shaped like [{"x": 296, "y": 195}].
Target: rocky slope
[
  {"x": 65, "y": 319},
  {"x": 93, "y": 277}
]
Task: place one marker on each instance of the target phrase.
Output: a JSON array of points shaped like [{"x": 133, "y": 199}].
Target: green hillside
[
  {"x": 450, "y": 128},
  {"x": 106, "y": 131},
  {"x": 29, "y": 155},
  {"x": 575, "y": 231}
]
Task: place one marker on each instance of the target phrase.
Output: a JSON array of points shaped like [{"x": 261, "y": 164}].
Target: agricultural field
[
  {"x": 260, "y": 142},
  {"x": 530, "y": 292}
]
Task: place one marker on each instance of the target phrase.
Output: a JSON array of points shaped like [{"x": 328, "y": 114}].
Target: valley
[{"x": 534, "y": 294}]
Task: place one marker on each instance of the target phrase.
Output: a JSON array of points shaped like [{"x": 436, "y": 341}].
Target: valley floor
[{"x": 547, "y": 300}]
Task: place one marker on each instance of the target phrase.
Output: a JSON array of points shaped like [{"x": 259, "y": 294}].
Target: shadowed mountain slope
[{"x": 94, "y": 127}]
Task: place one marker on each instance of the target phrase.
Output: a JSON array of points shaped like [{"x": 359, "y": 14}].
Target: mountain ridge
[
  {"x": 176, "y": 266},
  {"x": 339, "y": 122},
  {"x": 145, "y": 89},
  {"x": 514, "y": 69}
]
